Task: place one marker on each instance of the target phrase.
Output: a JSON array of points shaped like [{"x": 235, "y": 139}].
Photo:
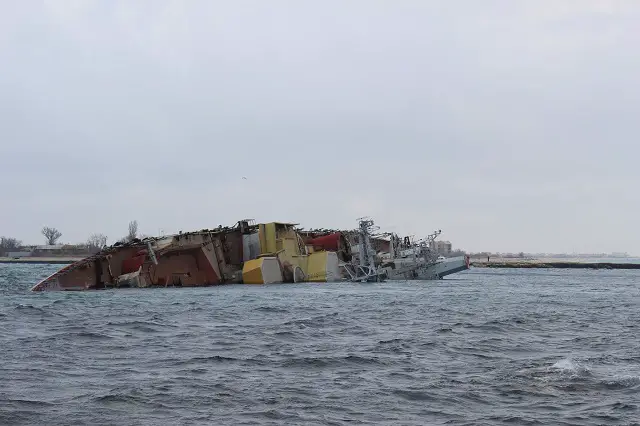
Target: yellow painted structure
[
  {"x": 252, "y": 272},
  {"x": 322, "y": 267},
  {"x": 263, "y": 270},
  {"x": 281, "y": 241}
]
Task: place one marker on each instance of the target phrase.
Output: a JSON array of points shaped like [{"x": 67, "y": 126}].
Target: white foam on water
[
  {"x": 568, "y": 365},
  {"x": 618, "y": 376}
]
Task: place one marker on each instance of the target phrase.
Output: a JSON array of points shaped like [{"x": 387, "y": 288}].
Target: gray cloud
[{"x": 509, "y": 125}]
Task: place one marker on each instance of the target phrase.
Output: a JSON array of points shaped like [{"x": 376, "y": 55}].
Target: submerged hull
[
  {"x": 446, "y": 267},
  {"x": 408, "y": 269}
]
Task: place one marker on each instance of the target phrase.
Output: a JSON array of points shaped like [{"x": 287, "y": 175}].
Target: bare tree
[
  {"x": 96, "y": 242},
  {"x": 133, "y": 230},
  {"x": 51, "y": 234},
  {"x": 7, "y": 244}
]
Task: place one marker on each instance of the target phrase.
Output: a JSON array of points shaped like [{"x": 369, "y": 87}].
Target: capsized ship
[
  {"x": 392, "y": 257},
  {"x": 246, "y": 253}
]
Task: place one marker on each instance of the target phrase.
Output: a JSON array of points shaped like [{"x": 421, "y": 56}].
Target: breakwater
[{"x": 554, "y": 264}]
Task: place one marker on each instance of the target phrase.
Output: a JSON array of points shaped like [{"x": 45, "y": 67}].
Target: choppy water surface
[{"x": 488, "y": 347}]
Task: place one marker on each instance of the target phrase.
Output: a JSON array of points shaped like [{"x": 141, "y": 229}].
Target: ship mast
[{"x": 366, "y": 269}]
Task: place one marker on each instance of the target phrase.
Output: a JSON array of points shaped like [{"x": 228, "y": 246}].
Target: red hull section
[
  {"x": 327, "y": 242},
  {"x": 335, "y": 241},
  {"x": 191, "y": 259}
]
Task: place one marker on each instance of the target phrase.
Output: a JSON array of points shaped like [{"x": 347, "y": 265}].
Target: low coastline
[
  {"x": 41, "y": 260},
  {"x": 553, "y": 263},
  {"x": 498, "y": 263}
]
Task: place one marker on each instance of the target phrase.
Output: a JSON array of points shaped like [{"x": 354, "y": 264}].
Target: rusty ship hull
[
  {"x": 246, "y": 253},
  {"x": 192, "y": 259}
]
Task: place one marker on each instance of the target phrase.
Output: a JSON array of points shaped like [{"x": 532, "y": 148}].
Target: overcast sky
[{"x": 510, "y": 125}]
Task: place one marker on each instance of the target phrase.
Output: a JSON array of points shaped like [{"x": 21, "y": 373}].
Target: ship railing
[{"x": 362, "y": 273}]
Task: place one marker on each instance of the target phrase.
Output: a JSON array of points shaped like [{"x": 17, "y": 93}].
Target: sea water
[{"x": 484, "y": 346}]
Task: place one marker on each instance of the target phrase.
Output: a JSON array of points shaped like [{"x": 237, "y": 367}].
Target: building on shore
[
  {"x": 17, "y": 254},
  {"x": 441, "y": 247}
]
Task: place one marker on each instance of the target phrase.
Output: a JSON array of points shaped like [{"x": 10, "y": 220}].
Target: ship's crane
[{"x": 365, "y": 269}]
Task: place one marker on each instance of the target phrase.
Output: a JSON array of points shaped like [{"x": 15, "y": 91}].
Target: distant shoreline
[
  {"x": 543, "y": 264},
  {"x": 497, "y": 263},
  {"x": 41, "y": 260}
]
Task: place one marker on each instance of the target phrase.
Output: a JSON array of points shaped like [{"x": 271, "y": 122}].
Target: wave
[
  {"x": 517, "y": 349},
  {"x": 271, "y": 309},
  {"x": 570, "y": 366},
  {"x": 323, "y": 362}
]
